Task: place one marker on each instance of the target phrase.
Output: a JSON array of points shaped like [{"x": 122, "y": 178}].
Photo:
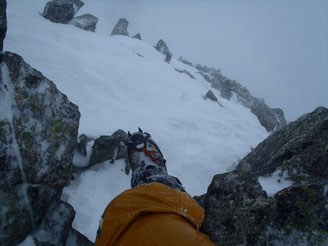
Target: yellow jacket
[{"x": 152, "y": 214}]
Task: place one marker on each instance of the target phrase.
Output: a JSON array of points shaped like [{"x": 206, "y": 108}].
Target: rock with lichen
[
  {"x": 299, "y": 151},
  {"x": 38, "y": 128},
  {"x": 239, "y": 212}
]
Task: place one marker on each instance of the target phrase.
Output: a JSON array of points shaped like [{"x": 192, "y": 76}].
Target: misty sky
[{"x": 278, "y": 49}]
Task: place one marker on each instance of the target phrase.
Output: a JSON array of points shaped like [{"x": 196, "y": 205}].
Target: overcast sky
[{"x": 278, "y": 49}]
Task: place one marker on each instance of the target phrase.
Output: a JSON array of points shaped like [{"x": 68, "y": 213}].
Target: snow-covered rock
[
  {"x": 299, "y": 151},
  {"x": 86, "y": 22},
  {"x": 162, "y": 48},
  {"x": 56, "y": 225},
  {"x": 121, "y": 28},
  {"x": 61, "y": 11},
  {"x": 109, "y": 148},
  {"x": 3, "y": 23},
  {"x": 236, "y": 210},
  {"x": 38, "y": 128}
]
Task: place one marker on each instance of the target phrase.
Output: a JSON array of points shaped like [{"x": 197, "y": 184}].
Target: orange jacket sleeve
[{"x": 152, "y": 214}]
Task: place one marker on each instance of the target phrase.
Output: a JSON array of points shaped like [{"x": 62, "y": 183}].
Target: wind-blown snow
[
  {"x": 91, "y": 192},
  {"x": 116, "y": 88}
]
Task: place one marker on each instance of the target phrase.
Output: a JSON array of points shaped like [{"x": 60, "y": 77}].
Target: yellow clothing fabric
[{"x": 152, "y": 214}]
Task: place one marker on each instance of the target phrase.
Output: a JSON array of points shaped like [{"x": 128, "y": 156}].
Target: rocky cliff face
[
  {"x": 299, "y": 151},
  {"x": 38, "y": 130},
  {"x": 239, "y": 212},
  {"x": 271, "y": 118}
]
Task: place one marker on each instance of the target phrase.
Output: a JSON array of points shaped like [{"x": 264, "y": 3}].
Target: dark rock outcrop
[
  {"x": 304, "y": 208},
  {"x": 238, "y": 211},
  {"x": 41, "y": 197},
  {"x": 109, "y": 148},
  {"x": 162, "y": 48},
  {"x": 86, "y": 22},
  {"x": 3, "y": 23},
  {"x": 121, "y": 28},
  {"x": 41, "y": 127},
  {"x": 16, "y": 222},
  {"x": 56, "y": 225},
  {"x": 137, "y": 36},
  {"x": 210, "y": 95},
  {"x": 299, "y": 150},
  {"x": 61, "y": 11},
  {"x": 38, "y": 128}
]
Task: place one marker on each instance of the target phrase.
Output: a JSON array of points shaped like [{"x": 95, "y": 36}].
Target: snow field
[{"x": 90, "y": 193}]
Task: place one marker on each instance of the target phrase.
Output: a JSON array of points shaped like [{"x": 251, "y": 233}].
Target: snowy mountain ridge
[
  {"x": 122, "y": 83},
  {"x": 272, "y": 119},
  {"x": 53, "y": 188}
]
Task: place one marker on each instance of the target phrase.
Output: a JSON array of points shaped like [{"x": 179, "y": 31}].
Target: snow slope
[{"x": 122, "y": 83}]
